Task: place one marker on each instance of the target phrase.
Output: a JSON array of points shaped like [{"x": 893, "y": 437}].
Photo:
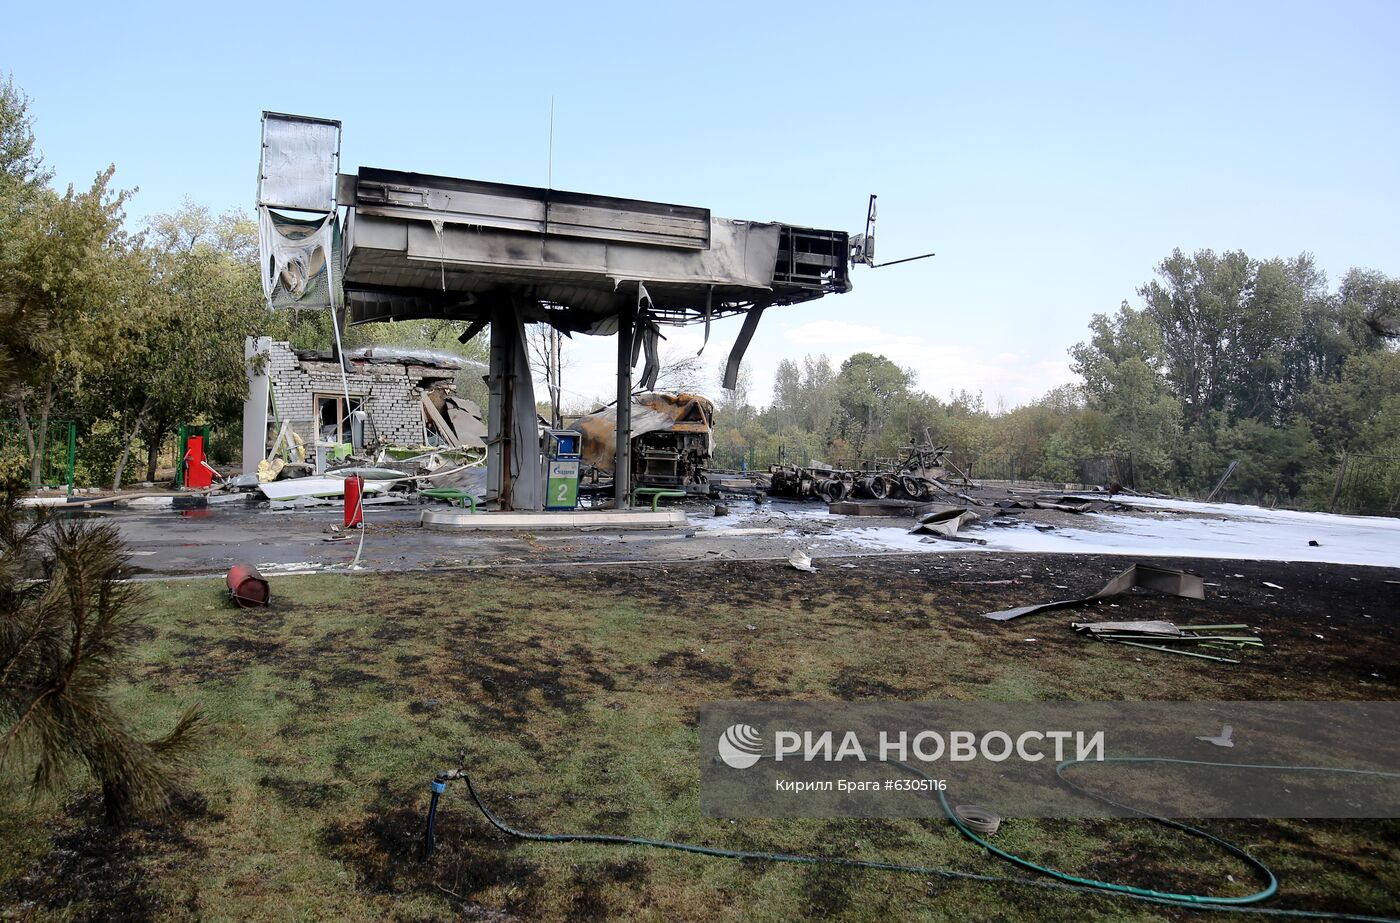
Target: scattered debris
[
  {"x": 1172, "y": 650},
  {"x": 944, "y": 522},
  {"x": 1162, "y": 579},
  {"x": 801, "y": 560},
  {"x": 1161, "y": 632},
  {"x": 315, "y": 487},
  {"x": 932, "y": 539},
  {"x": 1063, "y": 503},
  {"x": 1157, "y": 627},
  {"x": 398, "y": 397},
  {"x": 1223, "y": 739}
]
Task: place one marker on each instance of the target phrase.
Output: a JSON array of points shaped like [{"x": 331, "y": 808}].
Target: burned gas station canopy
[
  {"x": 414, "y": 246},
  {"x": 433, "y": 246}
]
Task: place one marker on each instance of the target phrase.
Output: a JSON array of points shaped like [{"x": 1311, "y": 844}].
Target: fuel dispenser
[{"x": 562, "y": 452}]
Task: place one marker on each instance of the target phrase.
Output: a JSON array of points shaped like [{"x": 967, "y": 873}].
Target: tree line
[{"x": 1226, "y": 358}]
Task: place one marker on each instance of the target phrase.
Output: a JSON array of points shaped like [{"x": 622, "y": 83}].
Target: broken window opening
[{"x": 333, "y": 416}]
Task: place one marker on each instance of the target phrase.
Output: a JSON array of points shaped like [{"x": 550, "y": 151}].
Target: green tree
[
  {"x": 1273, "y": 461},
  {"x": 1136, "y": 415},
  {"x": 1360, "y": 411},
  {"x": 23, "y": 179},
  {"x": 65, "y": 265},
  {"x": 62, "y": 272},
  {"x": 868, "y": 389},
  {"x": 1334, "y": 328},
  {"x": 184, "y": 362},
  {"x": 786, "y": 407},
  {"x": 1374, "y": 299},
  {"x": 1230, "y": 330}
]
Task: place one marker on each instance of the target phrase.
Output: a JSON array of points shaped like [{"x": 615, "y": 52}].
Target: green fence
[{"x": 60, "y": 452}]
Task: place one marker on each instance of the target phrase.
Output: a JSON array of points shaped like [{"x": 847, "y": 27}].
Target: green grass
[{"x": 573, "y": 699}]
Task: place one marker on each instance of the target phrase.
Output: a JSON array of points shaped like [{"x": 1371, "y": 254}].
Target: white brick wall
[{"x": 391, "y": 391}]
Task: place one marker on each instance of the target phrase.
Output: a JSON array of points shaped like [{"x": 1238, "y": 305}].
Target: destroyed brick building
[{"x": 304, "y": 393}]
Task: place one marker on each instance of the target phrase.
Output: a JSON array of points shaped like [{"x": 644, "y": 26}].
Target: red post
[
  {"x": 354, "y": 505},
  {"x": 197, "y": 473}
]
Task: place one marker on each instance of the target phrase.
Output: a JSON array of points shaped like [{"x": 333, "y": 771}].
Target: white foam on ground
[
  {"x": 774, "y": 515},
  {"x": 1245, "y": 532}
]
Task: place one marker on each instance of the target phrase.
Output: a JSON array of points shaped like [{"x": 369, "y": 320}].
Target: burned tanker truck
[{"x": 672, "y": 439}]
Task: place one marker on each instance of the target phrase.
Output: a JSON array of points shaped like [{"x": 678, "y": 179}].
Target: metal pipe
[{"x": 657, "y": 493}]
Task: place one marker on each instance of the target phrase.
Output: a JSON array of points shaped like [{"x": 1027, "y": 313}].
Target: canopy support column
[{"x": 622, "y": 464}]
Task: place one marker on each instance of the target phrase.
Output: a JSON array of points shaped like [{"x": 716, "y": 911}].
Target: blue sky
[{"x": 1050, "y": 153}]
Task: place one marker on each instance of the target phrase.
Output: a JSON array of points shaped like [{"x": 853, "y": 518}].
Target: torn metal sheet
[
  {"x": 300, "y": 160},
  {"x": 741, "y": 346},
  {"x": 514, "y": 477},
  {"x": 1166, "y": 580},
  {"x": 297, "y": 256},
  {"x": 945, "y": 522}
]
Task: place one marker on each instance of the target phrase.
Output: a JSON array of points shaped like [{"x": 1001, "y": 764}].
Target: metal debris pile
[
  {"x": 1166, "y": 580},
  {"x": 1064, "y": 503},
  {"x": 1169, "y": 638},
  {"x": 921, "y": 472}
]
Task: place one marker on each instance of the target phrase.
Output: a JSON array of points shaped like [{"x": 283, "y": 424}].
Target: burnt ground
[
  {"x": 572, "y": 693},
  {"x": 108, "y": 871},
  {"x": 1355, "y": 610}
]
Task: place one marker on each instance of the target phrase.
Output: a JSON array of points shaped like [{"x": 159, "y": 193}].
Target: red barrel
[
  {"x": 354, "y": 505},
  {"x": 247, "y": 587},
  {"x": 197, "y": 473}
]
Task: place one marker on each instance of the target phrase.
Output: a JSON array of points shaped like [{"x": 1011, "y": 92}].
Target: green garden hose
[{"x": 1064, "y": 882}]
